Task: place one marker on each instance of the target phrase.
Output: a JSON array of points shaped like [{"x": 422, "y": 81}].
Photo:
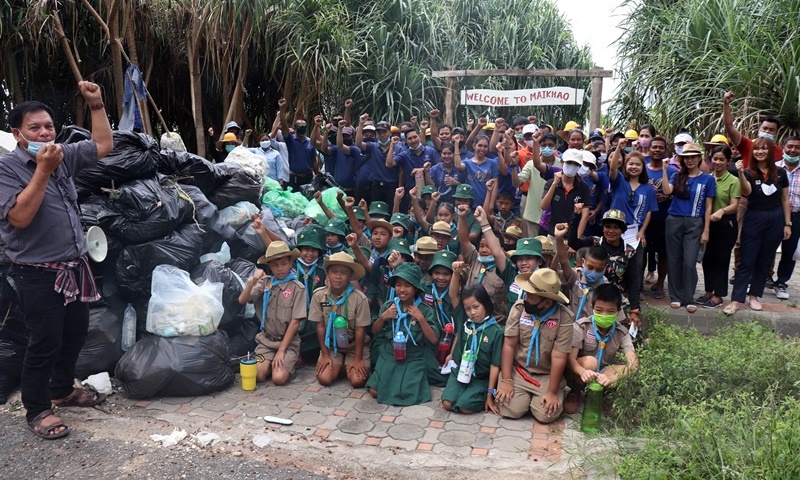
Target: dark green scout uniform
[
  {"x": 405, "y": 382},
  {"x": 312, "y": 277},
  {"x": 443, "y": 312},
  {"x": 472, "y": 396}
]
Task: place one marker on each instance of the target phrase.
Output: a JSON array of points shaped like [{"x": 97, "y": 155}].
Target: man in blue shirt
[
  {"x": 383, "y": 181},
  {"x": 656, "y": 230},
  {"x": 413, "y": 157},
  {"x": 342, "y": 159},
  {"x": 302, "y": 156}
]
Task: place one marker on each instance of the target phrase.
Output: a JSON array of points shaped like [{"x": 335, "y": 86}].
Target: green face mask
[{"x": 604, "y": 321}]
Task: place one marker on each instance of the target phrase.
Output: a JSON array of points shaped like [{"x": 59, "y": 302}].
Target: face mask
[
  {"x": 547, "y": 151},
  {"x": 266, "y": 145},
  {"x": 592, "y": 277},
  {"x": 402, "y": 136},
  {"x": 570, "y": 169},
  {"x": 302, "y": 130},
  {"x": 385, "y": 142},
  {"x": 645, "y": 142},
  {"x": 486, "y": 259},
  {"x": 766, "y": 135},
  {"x": 583, "y": 171},
  {"x": 34, "y": 147},
  {"x": 306, "y": 264},
  {"x": 416, "y": 149},
  {"x": 529, "y": 143},
  {"x": 678, "y": 149},
  {"x": 604, "y": 321},
  {"x": 628, "y": 149},
  {"x": 602, "y": 158},
  {"x": 370, "y": 140},
  {"x": 336, "y": 246},
  {"x": 348, "y": 142},
  {"x": 332, "y": 138},
  {"x": 229, "y": 148},
  {"x": 518, "y": 136},
  {"x": 533, "y": 309},
  {"x": 788, "y": 159}
]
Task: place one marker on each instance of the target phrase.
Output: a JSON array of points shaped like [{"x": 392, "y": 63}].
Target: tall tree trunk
[
  {"x": 237, "y": 101},
  {"x": 62, "y": 37},
  {"x": 197, "y": 93},
  {"x": 116, "y": 55}
]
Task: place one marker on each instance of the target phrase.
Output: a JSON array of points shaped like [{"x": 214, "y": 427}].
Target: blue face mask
[
  {"x": 592, "y": 277},
  {"x": 547, "y": 151},
  {"x": 34, "y": 147},
  {"x": 766, "y": 135},
  {"x": 486, "y": 259},
  {"x": 402, "y": 136},
  {"x": 229, "y": 148},
  {"x": 385, "y": 142},
  {"x": 788, "y": 159},
  {"x": 265, "y": 145}
]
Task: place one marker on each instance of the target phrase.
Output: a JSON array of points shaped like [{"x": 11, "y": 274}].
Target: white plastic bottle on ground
[{"x": 128, "y": 328}]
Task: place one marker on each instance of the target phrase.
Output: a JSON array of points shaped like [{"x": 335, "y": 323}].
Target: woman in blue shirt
[
  {"x": 480, "y": 168},
  {"x": 687, "y": 224}
]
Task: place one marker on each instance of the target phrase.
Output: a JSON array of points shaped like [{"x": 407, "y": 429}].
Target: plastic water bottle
[
  {"x": 466, "y": 367},
  {"x": 400, "y": 346},
  {"x": 340, "y": 327},
  {"x": 443, "y": 349},
  {"x": 590, "y": 421},
  {"x": 128, "y": 328}
]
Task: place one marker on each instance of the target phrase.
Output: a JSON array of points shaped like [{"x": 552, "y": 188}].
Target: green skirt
[
  {"x": 400, "y": 383},
  {"x": 466, "y": 396},
  {"x": 435, "y": 377}
]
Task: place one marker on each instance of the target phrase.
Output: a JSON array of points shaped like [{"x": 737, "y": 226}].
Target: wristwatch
[{"x": 788, "y": 224}]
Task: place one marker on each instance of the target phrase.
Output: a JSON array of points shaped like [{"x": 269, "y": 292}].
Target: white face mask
[
  {"x": 678, "y": 149},
  {"x": 529, "y": 143},
  {"x": 265, "y": 145},
  {"x": 570, "y": 169},
  {"x": 583, "y": 171}
]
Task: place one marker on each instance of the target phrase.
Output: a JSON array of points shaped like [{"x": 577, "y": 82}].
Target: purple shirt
[{"x": 55, "y": 233}]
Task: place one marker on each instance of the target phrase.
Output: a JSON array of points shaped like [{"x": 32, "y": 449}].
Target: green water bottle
[{"x": 590, "y": 421}]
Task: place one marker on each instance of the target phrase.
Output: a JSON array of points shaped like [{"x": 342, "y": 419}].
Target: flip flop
[
  {"x": 47, "y": 432},
  {"x": 730, "y": 309},
  {"x": 755, "y": 305},
  {"x": 81, "y": 397}
]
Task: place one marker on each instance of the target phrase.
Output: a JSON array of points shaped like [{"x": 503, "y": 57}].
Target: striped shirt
[{"x": 794, "y": 186}]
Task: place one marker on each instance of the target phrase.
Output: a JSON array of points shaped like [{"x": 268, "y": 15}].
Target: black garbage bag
[
  {"x": 232, "y": 287},
  {"x": 190, "y": 169},
  {"x": 243, "y": 267},
  {"x": 13, "y": 339},
  {"x": 143, "y": 210},
  {"x": 103, "y": 346},
  {"x": 135, "y": 263},
  {"x": 246, "y": 243},
  {"x": 236, "y": 185},
  {"x": 176, "y": 366},
  {"x": 204, "y": 211},
  {"x": 135, "y": 156},
  {"x": 91, "y": 207},
  {"x": 73, "y": 134},
  {"x": 242, "y": 334}
]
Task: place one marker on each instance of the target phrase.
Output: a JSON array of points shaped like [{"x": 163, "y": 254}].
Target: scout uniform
[
  {"x": 450, "y": 229},
  {"x": 403, "y": 382},
  {"x": 378, "y": 287},
  {"x": 285, "y": 300},
  {"x": 584, "y": 338},
  {"x": 366, "y": 233},
  {"x": 312, "y": 277},
  {"x": 439, "y": 301},
  {"x": 487, "y": 340},
  {"x": 403, "y": 220},
  {"x": 379, "y": 211},
  {"x": 374, "y": 255},
  {"x": 325, "y": 307},
  {"x": 502, "y": 224},
  {"x": 426, "y": 246},
  {"x": 525, "y": 247},
  {"x": 466, "y": 192},
  {"x": 336, "y": 227},
  {"x": 487, "y": 275},
  {"x": 580, "y": 293},
  {"x": 538, "y": 337}
]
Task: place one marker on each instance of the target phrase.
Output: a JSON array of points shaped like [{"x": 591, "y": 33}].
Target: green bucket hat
[
  {"x": 428, "y": 190},
  {"x": 358, "y": 213},
  {"x": 442, "y": 258},
  {"x": 408, "y": 272},
  {"x": 401, "y": 219},
  {"x": 401, "y": 246},
  {"x": 528, "y": 246},
  {"x": 309, "y": 238},
  {"x": 464, "y": 191},
  {"x": 379, "y": 208},
  {"x": 336, "y": 227}
]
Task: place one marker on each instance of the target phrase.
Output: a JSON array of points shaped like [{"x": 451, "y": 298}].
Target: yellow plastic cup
[{"x": 248, "y": 370}]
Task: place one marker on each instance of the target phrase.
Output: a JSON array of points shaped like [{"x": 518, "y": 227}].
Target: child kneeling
[
  {"x": 339, "y": 302},
  {"x": 596, "y": 340}
]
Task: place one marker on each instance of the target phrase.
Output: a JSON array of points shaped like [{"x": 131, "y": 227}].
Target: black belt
[{"x": 304, "y": 174}]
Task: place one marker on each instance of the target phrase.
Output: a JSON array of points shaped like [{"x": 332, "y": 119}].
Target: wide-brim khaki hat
[
  {"x": 346, "y": 260},
  {"x": 380, "y": 223},
  {"x": 426, "y": 246},
  {"x": 544, "y": 283},
  {"x": 277, "y": 250}
]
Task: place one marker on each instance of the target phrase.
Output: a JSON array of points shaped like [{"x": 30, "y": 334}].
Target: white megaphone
[{"x": 97, "y": 244}]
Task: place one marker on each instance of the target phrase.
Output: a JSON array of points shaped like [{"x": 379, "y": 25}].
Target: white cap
[
  {"x": 589, "y": 159},
  {"x": 369, "y": 127},
  {"x": 530, "y": 128},
  {"x": 683, "y": 138},
  {"x": 572, "y": 155}
]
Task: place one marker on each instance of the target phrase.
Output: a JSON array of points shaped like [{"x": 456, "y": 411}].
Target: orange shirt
[{"x": 523, "y": 155}]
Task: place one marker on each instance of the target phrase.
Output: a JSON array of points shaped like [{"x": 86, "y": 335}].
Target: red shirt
[{"x": 745, "y": 148}]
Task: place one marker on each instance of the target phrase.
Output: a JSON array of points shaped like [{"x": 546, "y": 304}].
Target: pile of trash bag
[
  {"x": 13, "y": 339},
  {"x": 234, "y": 185},
  {"x": 314, "y": 211},
  {"x": 283, "y": 203},
  {"x": 135, "y": 156},
  {"x": 179, "y": 307},
  {"x": 103, "y": 347}
]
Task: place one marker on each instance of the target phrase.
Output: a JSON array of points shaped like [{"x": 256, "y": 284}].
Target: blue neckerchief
[
  {"x": 438, "y": 298},
  {"x": 534, "y": 343},
  {"x": 601, "y": 342},
  {"x": 329, "y": 331},
  {"x": 375, "y": 256},
  {"x": 586, "y": 289},
  {"x": 485, "y": 268},
  {"x": 391, "y": 289},
  {"x": 301, "y": 269},
  {"x": 402, "y": 319},
  {"x": 366, "y": 232},
  {"x": 473, "y": 331},
  {"x": 339, "y": 247},
  {"x": 268, "y": 291},
  {"x": 504, "y": 220},
  {"x": 453, "y": 228}
]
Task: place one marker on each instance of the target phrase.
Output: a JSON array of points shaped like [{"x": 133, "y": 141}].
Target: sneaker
[
  {"x": 780, "y": 292},
  {"x": 571, "y": 402},
  {"x": 770, "y": 283}
]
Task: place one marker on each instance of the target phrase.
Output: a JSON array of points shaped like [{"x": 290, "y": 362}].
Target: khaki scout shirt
[
  {"x": 355, "y": 309},
  {"x": 583, "y": 338},
  {"x": 495, "y": 286},
  {"x": 555, "y": 333},
  {"x": 286, "y": 302}
]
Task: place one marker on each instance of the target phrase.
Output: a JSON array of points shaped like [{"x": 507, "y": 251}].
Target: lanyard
[
  {"x": 534, "y": 343},
  {"x": 268, "y": 292},
  {"x": 329, "y": 331},
  {"x": 444, "y": 319},
  {"x": 402, "y": 320},
  {"x": 306, "y": 275},
  {"x": 472, "y": 332},
  {"x": 602, "y": 342}
]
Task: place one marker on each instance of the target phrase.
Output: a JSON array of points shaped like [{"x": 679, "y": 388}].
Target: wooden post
[
  {"x": 450, "y": 99},
  {"x": 597, "y": 100}
]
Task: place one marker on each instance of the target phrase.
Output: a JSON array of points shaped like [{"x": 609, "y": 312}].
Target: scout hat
[
  {"x": 358, "y": 213},
  {"x": 514, "y": 232},
  {"x": 344, "y": 258},
  {"x": 336, "y": 227},
  {"x": 547, "y": 245},
  {"x": 401, "y": 219},
  {"x": 309, "y": 238},
  {"x": 426, "y": 246},
  {"x": 228, "y": 138},
  {"x": 716, "y": 141},
  {"x": 691, "y": 149},
  {"x": 379, "y": 208},
  {"x": 527, "y": 246},
  {"x": 442, "y": 258},
  {"x": 428, "y": 190},
  {"x": 276, "y": 250},
  {"x": 464, "y": 191},
  {"x": 615, "y": 216},
  {"x": 400, "y": 246},
  {"x": 381, "y": 223},
  {"x": 442, "y": 228},
  {"x": 409, "y": 272},
  {"x": 544, "y": 283}
]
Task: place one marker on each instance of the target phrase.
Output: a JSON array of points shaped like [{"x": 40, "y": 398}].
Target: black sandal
[
  {"x": 81, "y": 397},
  {"x": 47, "y": 432}
]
